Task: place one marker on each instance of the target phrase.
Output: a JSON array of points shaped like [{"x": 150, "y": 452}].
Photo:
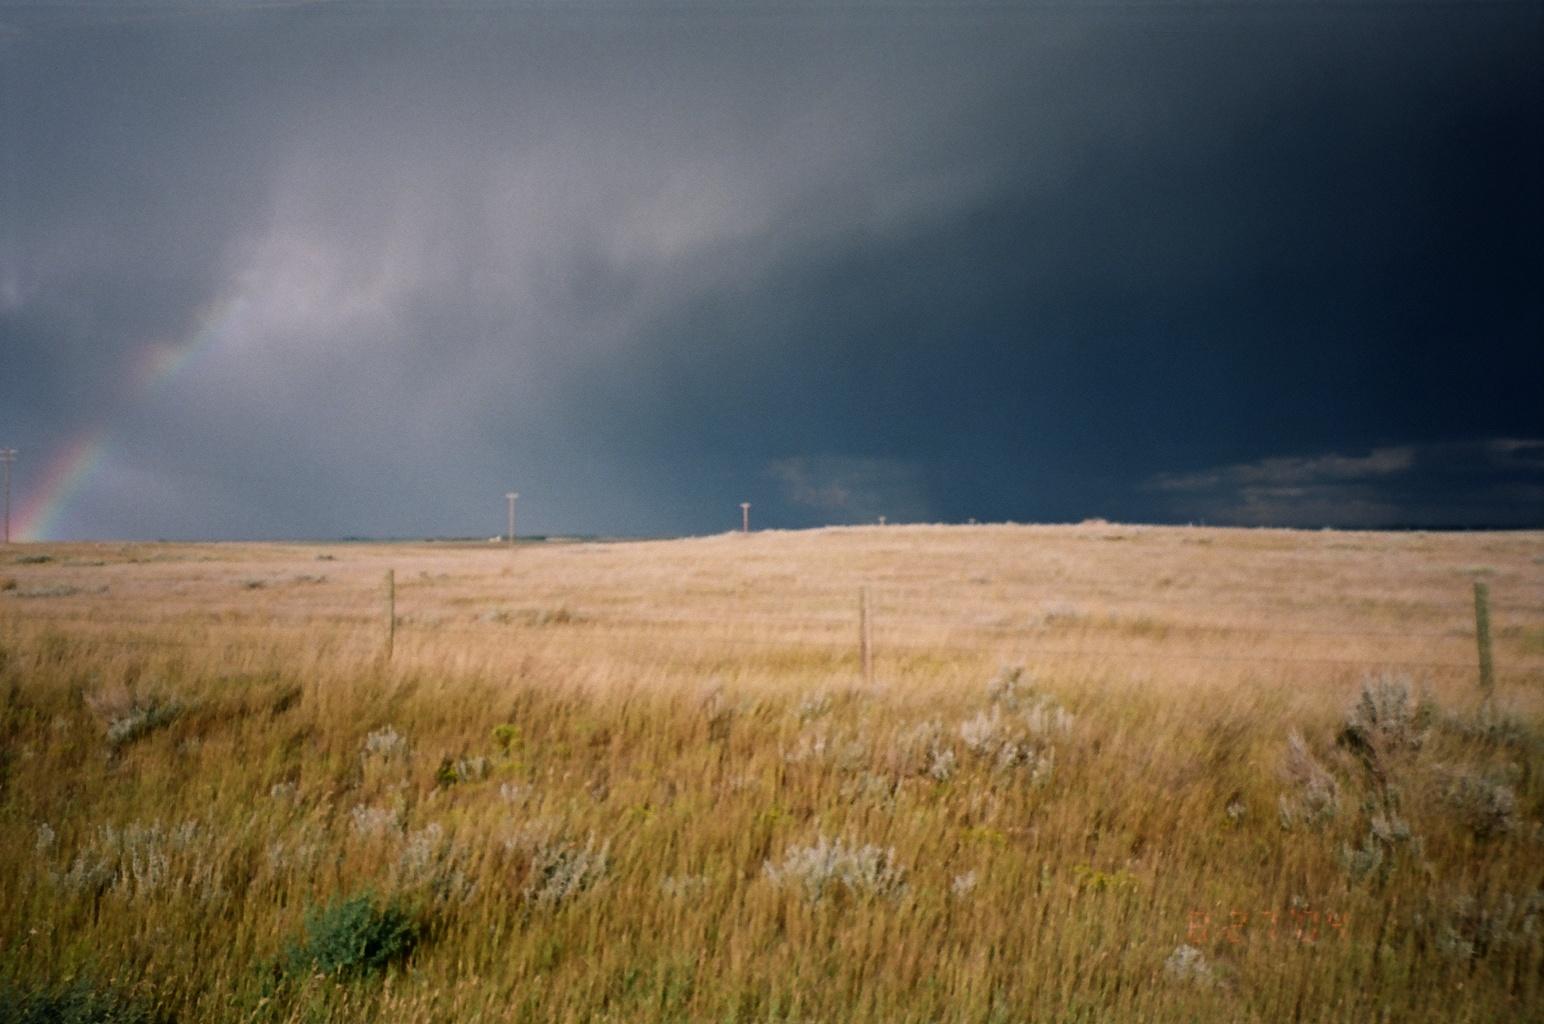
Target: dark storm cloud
[
  {"x": 849, "y": 489},
  {"x": 939, "y": 262},
  {"x": 1454, "y": 484}
]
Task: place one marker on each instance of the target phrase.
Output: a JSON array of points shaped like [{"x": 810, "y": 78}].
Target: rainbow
[
  {"x": 70, "y": 468},
  {"x": 161, "y": 361},
  {"x": 63, "y": 476}
]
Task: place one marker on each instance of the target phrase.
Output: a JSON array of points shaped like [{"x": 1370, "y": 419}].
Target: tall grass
[{"x": 556, "y": 841}]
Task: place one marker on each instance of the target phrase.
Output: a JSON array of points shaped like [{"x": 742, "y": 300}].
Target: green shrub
[
  {"x": 351, "y": 938},
  {"x": 507, "y": 737},
  {"x": 77, "y": 1003}
]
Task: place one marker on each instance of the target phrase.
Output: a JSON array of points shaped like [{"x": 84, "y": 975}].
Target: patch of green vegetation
[
  {"x": 78, "y": 1002},
  {"x": 507, "y": 738},
  {"x": 1091, "y": 879},
  {"x": 352, "y": 938}
]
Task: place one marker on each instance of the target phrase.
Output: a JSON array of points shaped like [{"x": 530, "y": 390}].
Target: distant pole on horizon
[
  {"x": 745, "y": 517},
  {"x": 510, "y": 497},
  {"x": 7, "y": 456}
]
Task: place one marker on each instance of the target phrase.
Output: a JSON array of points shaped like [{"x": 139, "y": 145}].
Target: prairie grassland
[{"x": 1101, "y": 773}]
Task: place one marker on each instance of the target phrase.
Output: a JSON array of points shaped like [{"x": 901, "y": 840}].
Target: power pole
[
  {"x": 745, "y": 517},
  {"x": 7, "y": 456},
  {"x": 510, "y": 497}
]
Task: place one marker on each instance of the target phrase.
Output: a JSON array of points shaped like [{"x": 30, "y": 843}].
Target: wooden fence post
[
  {"x": 391, "y": 611},
  {"x": 865, "y": 637},
  {"x": 1482, "y": 636}
]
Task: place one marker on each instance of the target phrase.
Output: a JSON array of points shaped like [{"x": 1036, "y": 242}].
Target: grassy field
[{"x": 1098, "y": 773}]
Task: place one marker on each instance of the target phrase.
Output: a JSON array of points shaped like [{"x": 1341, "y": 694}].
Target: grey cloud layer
[
  {"x": 646, "y": 267},
  {"x": 1498, "y": 482}
]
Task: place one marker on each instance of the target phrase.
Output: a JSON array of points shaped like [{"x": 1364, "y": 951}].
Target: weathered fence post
[
  {"x": 865, "y": 637},
  {"x": 391, "y": 611},
  {"x": 1482, "y": 636}
]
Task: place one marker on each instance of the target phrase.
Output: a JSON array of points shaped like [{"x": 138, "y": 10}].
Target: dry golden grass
[{"x": 701, "y": 810}]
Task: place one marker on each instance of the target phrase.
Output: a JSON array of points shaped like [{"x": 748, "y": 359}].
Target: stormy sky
[{"x": 357, "y": 269}]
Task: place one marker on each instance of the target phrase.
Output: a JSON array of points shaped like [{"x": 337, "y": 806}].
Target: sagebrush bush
[
  {"x": 1315, "y": 795},
  {"x": 1469, "y": 927},
  {"x": 128, "y": 716},
  {"x": 561, "y": 870},
  {"x": 1011, "y": 687},
  {"x": 143, "y": 861},
  {"x": 386, "y": 744},
  {"x": 1386, "y": 718},
  {"x": 1188, "y": 965},
  {"x": 1496, "y": 727},
  {"x": 1387, "y": 836},
  {"x": 1486, "y": 806},
  {"x": 826, "y": 865}
]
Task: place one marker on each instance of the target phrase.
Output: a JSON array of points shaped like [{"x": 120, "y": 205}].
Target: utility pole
[
  {"x": 7, "y": 456},
  {"x": 745, "y": 517},
  {"x": 510, "y": 497}
]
